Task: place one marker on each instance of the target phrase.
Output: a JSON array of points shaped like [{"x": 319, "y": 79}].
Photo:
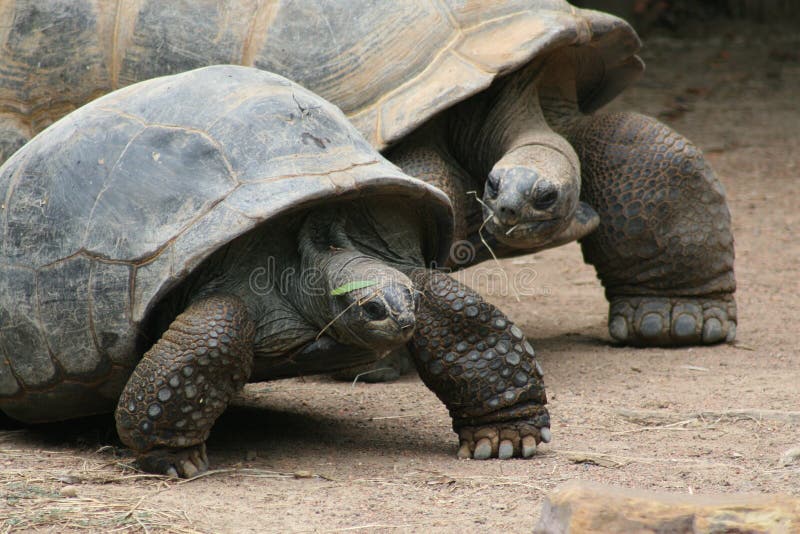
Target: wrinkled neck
[
  {"x": 558, "y": 95},
  {"x": 330, "y": 263},
  {"x": 506, "y": 117},
  {"x": 324, "y": 260}
]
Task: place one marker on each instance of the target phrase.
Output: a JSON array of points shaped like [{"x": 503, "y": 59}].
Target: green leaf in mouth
[{"x": 352, "y": 286}]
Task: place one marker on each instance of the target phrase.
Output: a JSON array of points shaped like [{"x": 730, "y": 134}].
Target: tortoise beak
[{"x": 406, "y": 321}]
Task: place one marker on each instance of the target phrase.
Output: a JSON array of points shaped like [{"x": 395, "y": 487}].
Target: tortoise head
[
  {"x": 532, "y": 174},
  {"x": 381, "y": 315},
  {"x": 362, "y": 250},
  {"x": 531, "y": 195}
]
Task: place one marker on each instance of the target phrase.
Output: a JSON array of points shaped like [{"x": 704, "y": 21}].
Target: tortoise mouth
[
  {"x": 391, "y": 333},
  {"x": 531, "y": 234},
  {"x": 378, "y": 336}
]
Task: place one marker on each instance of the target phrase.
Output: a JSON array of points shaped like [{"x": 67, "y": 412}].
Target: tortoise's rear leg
[
  {"x": 13, "y": 134},
  {"x": 184, "y": 383},
  {"x": 664, "y": 248}
]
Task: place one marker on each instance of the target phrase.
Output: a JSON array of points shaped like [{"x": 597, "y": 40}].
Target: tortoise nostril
[
  {"x": 406, "y": 321},
  {"x": 507, "y": 215},
  {"x": 505, "y": 210},
  {"x": 545, "y": 195}
]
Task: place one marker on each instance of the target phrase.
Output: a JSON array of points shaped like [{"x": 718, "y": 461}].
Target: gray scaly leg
[
  {"x": 482, "y": 367},
  {"x": 664, "y": 248},
  {"x": 184, "y": 383}
]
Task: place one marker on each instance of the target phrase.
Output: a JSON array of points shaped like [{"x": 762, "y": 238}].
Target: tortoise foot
[
  {"x": 184, "y": 463},
  {"x": 389, "y": 368},
  {"x": 504, "y": 441},
  {"x": 666, "y": 322}
]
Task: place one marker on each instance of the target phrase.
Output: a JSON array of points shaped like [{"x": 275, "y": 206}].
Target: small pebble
[
  {"x": 303, "y": 474},
  {"x": 68, "y": 491}
]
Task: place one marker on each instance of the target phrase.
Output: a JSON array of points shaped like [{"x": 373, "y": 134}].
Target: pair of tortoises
[{"x": 229, "y": 171}]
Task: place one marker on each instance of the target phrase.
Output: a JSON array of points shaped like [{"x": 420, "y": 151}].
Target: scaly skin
[
  {"x": 467, "y": 352},
  {"x": 664, "y": 248},
  {"x": 183, "y": 383},
  {"x": 423, "y": 156},
  {"x": 482, "y": 367}
]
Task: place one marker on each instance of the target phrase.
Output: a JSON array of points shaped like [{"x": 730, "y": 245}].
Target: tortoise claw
[
  {"x": 483, "y": 449},
  {"x": 178, "y": 463},
  {"x": 545, "y": 434},
  {"x": 504, "y": 441},
  {"x": 528, "y": 446},
  {"x": 464, "y": 452},
  {"x": 664, "y": 321},
  {"x": 506, "y": 450}
]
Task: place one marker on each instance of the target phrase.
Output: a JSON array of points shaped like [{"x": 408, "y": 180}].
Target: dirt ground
[{"x": 320, "y": 456}]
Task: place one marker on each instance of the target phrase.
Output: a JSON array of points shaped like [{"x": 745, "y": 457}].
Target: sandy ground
[{"x": 320, "y": 456}]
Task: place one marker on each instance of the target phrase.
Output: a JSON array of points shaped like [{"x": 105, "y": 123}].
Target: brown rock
[{"x": 579, "y": 507}]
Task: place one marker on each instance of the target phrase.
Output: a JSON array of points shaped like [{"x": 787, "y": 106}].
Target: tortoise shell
[
  {"x": 112, "y": 206},
  {"x": 389, "y": 66}
]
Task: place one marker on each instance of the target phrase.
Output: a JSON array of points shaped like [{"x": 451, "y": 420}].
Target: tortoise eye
[
  {"x": 545, "y": 195},
  {"x": 492, "y": 186},
  {"x": 375, "y": 310}
]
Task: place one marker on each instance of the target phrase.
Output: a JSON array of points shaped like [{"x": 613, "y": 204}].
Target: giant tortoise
[
  {"x": 490, "y": 98},
  {"x": 172, "y": 240}
]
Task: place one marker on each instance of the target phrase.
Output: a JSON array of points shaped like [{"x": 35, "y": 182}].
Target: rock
[{"x": 589, "y": 508}]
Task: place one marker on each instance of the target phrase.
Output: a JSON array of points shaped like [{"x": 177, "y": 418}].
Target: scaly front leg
[
  {"x": 482, "y": 367},
  {"x": 664, "y": 248},
  {"x": 183, "y": 383}
]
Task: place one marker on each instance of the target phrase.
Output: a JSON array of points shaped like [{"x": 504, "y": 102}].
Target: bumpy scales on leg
[
  {"x": 184, "y": 383},
  {"x": 664, "y": 248},
  {"x": 482, "y": 367}
]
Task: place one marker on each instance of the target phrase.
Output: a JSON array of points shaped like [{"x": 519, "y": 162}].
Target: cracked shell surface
[
  {"x": 390, "y": 69},
  {"x": 112, "y": 206}
]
